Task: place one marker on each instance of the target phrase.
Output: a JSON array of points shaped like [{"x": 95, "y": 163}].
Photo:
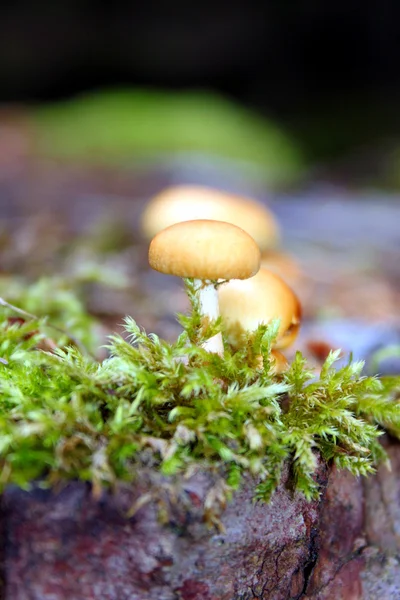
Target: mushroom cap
[
  {"x": 283, "y": 264},
  {"x": 290, "y": 335},
  {"x": 244, "y": 305},
  {"x": 189, "y": 203},
  {"x": 205, "y": 249}
]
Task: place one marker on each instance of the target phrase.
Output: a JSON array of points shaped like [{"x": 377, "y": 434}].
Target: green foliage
[
  {"x": 55, "y": 300},
  {"x": 174, "y": 406},
  {"x": 123, "y": 124}
]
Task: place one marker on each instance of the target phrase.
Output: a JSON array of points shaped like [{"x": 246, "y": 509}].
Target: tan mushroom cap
[
  {"x": 205, "y": 249},
  {"x": 290, "y": 335},
  {"x": 246, "y": 304},
  {"x": 283, "y": 264},
  {"x": 189, "y": 203}
]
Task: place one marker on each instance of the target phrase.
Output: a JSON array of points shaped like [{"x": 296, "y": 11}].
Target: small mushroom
[
  {"x": 207, "y": 251},
  {"x": 244, "y": 305},
  {"x": 188, "y": 203},
  {"x": 279, "y": 362}
]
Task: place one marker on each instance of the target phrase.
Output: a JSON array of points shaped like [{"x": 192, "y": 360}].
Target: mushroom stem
[{"x": 209, "y": 308}]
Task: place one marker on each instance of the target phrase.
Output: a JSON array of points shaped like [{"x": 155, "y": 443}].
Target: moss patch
[{"x": 175, "y": 407}]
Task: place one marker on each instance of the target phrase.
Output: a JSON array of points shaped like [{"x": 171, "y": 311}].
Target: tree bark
[{"x": 70, "y": 545}]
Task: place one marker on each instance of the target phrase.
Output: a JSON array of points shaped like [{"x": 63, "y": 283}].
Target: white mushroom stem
[{"x": 209, "y": 308}]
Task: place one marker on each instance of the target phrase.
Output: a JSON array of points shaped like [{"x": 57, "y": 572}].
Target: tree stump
[{"x": 70, "y": 545}]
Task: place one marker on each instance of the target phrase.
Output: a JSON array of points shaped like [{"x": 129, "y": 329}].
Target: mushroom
[
  {"x": 279, "y": 362},
  {"x": 188, "y": 203},
  {"x": 244, "y": 305},
  {"x": 283, "y": 264},
  {"x": 207, "y": 251}
]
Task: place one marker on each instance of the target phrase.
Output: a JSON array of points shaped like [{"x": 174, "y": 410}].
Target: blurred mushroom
[
  {"x": 283, "y": 264},
  {"x": 207, "y": 251},
  {"x": 244, "y": 305},
  {"x": 188, "y": 203}
]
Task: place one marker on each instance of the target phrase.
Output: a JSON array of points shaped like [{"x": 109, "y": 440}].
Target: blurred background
[
  {"x": 293, "y": 104},
  {"x": 327, "y": 74}
]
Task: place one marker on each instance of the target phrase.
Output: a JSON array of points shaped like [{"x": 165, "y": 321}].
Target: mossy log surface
[{"x": 69, "y": 545}]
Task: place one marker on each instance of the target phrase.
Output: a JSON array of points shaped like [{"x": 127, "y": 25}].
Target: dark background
[
  {"x": 331, "y": 62},
  {"x": 274, "y": 54}
]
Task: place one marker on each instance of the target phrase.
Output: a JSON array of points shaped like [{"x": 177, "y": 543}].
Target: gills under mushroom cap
[
  {"x": 191, "y": 202},
  {"x": 203, "y": 249}
]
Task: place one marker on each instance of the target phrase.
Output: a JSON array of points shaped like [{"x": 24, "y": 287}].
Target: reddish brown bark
[{"x": 72, "y": 546}]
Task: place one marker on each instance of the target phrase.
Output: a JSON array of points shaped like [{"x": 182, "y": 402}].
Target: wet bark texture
[{"x": 68, "y": 545}]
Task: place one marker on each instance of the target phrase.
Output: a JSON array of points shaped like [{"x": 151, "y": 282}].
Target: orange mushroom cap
[
  {"x": 244, "y": 305},
  {"x": 188, "y": 203},
  {"x": 208, "y": 250}
]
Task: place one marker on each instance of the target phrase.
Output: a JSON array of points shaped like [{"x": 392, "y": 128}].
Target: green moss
[
  {"x": 119, "y": 125},
  {"x": 55, "y": 301},
  {"x": 174, "y": 406}
]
